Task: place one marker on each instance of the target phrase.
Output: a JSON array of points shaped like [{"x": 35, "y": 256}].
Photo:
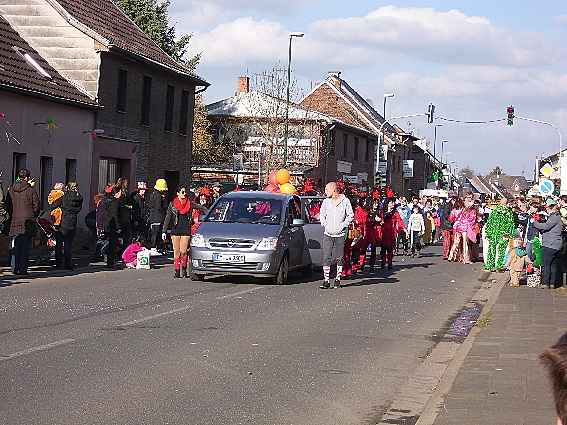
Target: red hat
[
  {"x": 109, "y": 188},
  {"x": 205, "y": 191}
]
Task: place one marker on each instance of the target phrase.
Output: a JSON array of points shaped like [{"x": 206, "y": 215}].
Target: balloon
[
  {"x": 272, "y": 178},
  {"x": 282, "y": 176},
  {"x": 288, "y": 189},
  {"x": 272, "y": 188}
]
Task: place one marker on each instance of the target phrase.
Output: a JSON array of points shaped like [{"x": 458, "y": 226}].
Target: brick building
[
  {"x": 145, "y": 99},
  {"x": 355, "y": 143}
]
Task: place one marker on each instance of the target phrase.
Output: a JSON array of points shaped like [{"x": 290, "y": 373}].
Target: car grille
[
  {"x": 231, "y": 243},
  {"x": 240, "y": 266}
]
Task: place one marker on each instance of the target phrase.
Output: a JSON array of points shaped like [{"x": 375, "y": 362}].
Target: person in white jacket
[
  {"x": 416, "y": 229},
  {"x": 335, "y": 216}
]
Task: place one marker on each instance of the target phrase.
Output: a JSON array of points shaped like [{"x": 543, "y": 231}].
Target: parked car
[
  {"x": 251, "y": 233},
  {"x": 311, "y": 207}
]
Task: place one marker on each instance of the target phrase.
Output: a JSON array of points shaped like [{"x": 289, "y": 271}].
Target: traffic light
[
  {"x": 510, "y": 112},
  {"x": 430, "y": 113}
]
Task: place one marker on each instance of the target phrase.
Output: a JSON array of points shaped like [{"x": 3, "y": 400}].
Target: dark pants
[
  {"x": 373, "y": 249},
  {"x": 416, "y": 243},
  {"x": 112, "y": 250},
  {"x": 155, "y": 236},
  {"x": 22, "y": 246},
  {"x": 403, "y": 241},
  {"x": 333, "y": 250},
  {"x": 551, "y": 267},
  {"x": 64, "y": 248},
  {"x": 387, "y": 254}
]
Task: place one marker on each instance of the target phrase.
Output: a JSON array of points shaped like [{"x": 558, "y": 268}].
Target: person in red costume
[
  {"x": 205, "y": 200},
  {"x": 374, "y": 233},
  {"x": 361, "y": 224},
  {"x": 392, "y": 225}
]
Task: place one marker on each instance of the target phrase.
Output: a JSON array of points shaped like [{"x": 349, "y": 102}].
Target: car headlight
[
  {"x": 198, "y": 241},
  {"x": 268, "y": 244}
]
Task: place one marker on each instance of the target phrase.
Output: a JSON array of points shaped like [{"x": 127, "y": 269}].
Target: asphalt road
[{"x": 137, "y": 347}]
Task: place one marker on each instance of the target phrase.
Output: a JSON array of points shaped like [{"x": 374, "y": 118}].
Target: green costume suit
[{"x": 499, "y": 228}]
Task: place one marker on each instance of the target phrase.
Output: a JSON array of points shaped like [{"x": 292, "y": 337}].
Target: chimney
[
  {"x": 335, "y": 78},
  {"x": 243, "y": 85}
]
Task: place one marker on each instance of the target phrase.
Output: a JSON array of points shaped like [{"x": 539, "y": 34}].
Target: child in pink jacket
[{"x": 130, "y": 254}]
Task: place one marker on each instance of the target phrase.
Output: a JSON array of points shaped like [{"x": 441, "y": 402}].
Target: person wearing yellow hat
[{"x": 157, "y": 205}]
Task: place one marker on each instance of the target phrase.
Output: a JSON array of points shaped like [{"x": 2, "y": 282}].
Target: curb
[
  {"x": 431, "y": 410},
  {"x": 419, "y": 400}
]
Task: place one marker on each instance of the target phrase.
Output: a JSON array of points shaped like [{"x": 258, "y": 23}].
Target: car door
[
  {"x": 312, "y": 229},
  {"x": 297, "y": 237}
]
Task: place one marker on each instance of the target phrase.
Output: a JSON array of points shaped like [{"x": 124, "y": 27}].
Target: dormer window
[{"x": 32, "y": 62}]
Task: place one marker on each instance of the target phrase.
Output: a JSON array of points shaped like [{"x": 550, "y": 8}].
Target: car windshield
[{"x": 245, "y": 210}]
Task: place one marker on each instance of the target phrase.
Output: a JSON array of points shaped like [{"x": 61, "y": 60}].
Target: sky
[{"x": 471, "y": 58}]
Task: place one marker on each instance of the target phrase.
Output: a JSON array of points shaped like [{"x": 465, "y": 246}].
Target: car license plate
[{"x": 228, "y": 258}]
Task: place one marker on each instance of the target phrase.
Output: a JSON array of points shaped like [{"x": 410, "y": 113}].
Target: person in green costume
[{"x": 500, "y": 227}]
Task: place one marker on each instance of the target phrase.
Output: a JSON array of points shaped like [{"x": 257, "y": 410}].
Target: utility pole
[{"x": 286, "y": 133}]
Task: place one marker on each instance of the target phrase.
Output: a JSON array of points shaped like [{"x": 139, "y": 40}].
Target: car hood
[{"x": 238, "y": 230}]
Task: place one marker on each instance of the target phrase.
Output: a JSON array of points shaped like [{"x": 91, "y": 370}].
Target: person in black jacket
[
  {"x": 111, "y": 225},
  {"x": 71, "y": 204},
  {"x": 157, "y": 207},
  {"x": 140, "y": 211},
  {"x": 125, "y": 210}
]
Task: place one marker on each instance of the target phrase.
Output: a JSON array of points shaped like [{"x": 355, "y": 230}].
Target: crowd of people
[
  {"x": 363, "y": 229},
  {"x": 121, "y": 223},
  {"x": 526, "y": 237}
]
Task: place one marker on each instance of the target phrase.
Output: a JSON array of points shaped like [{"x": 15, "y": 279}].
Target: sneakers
[
  {"x": 326, "y": 285},
  {"x": 337, "y": 284}
]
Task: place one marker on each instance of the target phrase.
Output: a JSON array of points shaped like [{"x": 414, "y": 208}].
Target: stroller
[{"x": 47, "y": 232}]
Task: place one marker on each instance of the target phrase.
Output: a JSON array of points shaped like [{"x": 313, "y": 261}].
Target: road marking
[
  {"x": 155, "y": 316},
  {"x": 182, "y": 309},
  {"x": 236, "y": 294},
  {"x": 36, "y": 349}
]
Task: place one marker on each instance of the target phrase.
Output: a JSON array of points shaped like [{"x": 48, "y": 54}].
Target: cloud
[
  {"x": 561, "y": 19},
  {"x": 435, "y": 36}
]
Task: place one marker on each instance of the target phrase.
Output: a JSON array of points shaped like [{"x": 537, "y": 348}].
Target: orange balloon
[
  {"x": 272, "y": 178},
  {"x": 282, "y": 176},
  {"x": 288, "y": 189}
]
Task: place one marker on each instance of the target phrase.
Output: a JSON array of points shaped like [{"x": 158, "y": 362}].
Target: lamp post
[
  {"x": 435, "y": 142},
  {"x": 386, "y": 97},
  {"x": 286, "y": 134},
  {"x": 443, "y": 151}
]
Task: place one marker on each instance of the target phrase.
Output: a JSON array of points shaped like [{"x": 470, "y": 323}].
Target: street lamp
[
  {"x": 435, "y": 142},
  {"x": 443, "y": 151},
  {"x": 386, "y": 97},
  {"x": 286, "y": 134}
]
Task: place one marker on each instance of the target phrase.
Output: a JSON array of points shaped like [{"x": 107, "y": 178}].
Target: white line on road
[
  {"x": 155, "y": 316},
  {"x": 36, "y": 349},
  {"x": 181, "y": 309},
  {"x": 246, "y": 291}
]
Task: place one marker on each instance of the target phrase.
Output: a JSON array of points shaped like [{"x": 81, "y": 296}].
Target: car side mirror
[{"x": 297, "y": 222}]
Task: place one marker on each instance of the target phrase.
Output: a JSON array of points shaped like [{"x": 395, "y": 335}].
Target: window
[
  {"x": 70, "y": 170},
  {"x": 184, "y": 111},
  {"x": 332, "y": 143},
  {"x": 108, "y": 171},
  {"x": 356, "y": 143},
  {"x": 169, "y": 101},
  {"x": 368, "y": 149},
  {"x": 122, "y": 90},
  {"x": 46, "y": 182},
  {"x": 32, "y": 62},
  {"x": 146, "y": 100},
  {"x": 18, "y": 163},
  {"x": 345, "y": 145}
]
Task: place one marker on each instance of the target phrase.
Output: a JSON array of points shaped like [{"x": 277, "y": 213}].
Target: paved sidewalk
[{"x": 501, "y": 381}]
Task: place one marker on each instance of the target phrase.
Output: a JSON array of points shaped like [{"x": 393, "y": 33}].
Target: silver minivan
[{"x": 258, "y": 234}]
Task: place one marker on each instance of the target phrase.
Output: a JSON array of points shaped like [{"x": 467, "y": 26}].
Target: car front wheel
[{"x": 283, "y": 271}]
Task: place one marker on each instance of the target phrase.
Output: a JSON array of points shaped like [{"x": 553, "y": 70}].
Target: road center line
[
  {"x": 36, "y": 349},
  {"x": 155, "y": 316},
  {"x": 235, "y": 294}
]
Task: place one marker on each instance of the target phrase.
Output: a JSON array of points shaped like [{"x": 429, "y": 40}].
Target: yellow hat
[{"x": 161, "y": 185}]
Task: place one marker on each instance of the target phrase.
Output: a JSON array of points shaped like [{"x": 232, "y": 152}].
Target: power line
[{"x": 470, "y": 122}]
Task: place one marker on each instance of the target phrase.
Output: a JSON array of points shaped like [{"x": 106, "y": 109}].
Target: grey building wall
[{"x": 154, "y": 150}]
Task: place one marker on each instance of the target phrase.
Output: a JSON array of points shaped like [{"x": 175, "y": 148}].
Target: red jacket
[
  {"x": 361, "y": 220},
  {"x": 392, "y": 227}
]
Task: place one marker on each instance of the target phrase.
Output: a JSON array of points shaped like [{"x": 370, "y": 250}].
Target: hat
[
  {"x": 161, "y": 185},
  {"x": 142, "y": 185},
  {"x": 550, "y": 202}
]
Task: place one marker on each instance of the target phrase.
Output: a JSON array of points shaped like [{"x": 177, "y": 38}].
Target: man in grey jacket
[
  {"x": 336, "y": 215},
  {"x": 551, "y": 245}
]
